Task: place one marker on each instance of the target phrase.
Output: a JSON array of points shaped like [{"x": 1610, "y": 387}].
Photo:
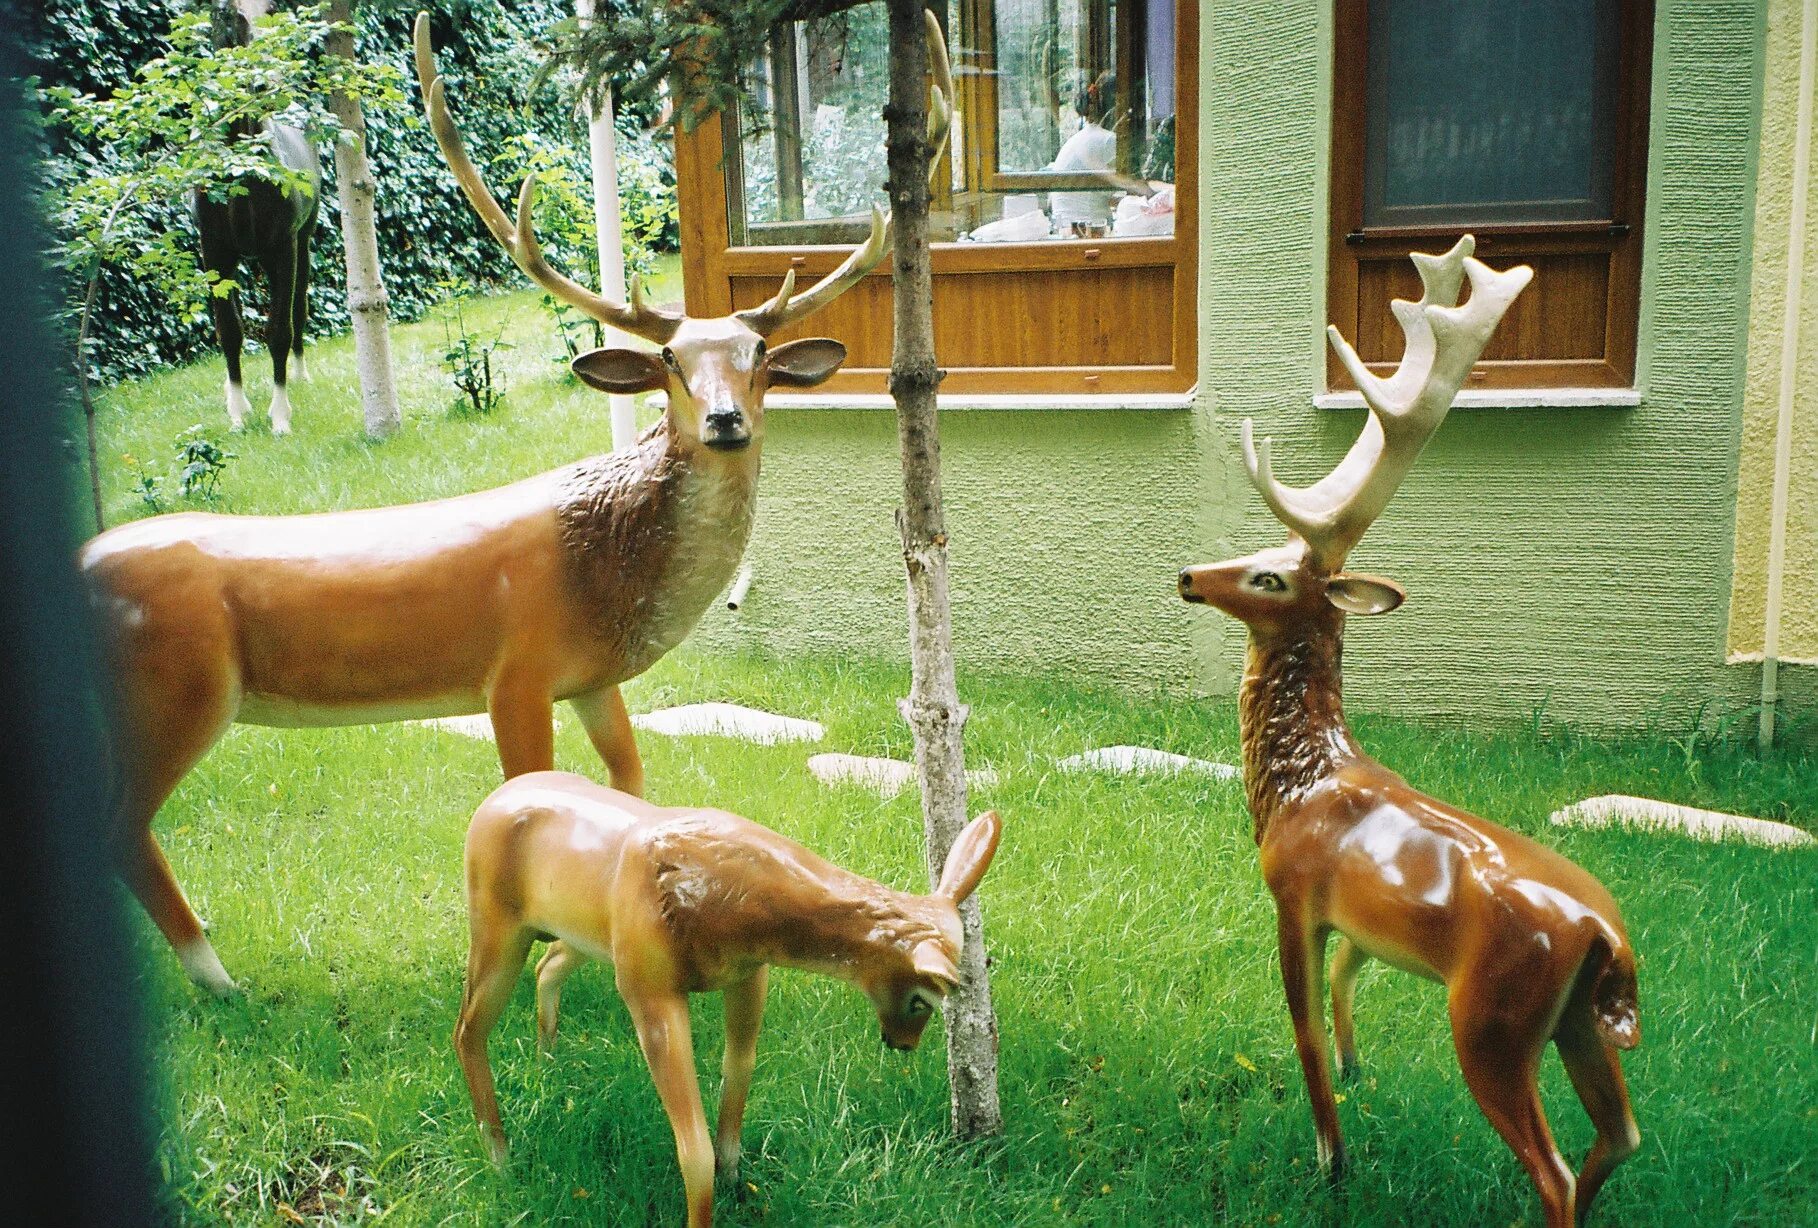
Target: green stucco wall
[
  {"x": 1761, "y": 389},
  {"x": 1571, "y": 560}
]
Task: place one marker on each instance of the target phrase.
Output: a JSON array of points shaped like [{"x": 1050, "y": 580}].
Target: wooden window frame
[
  {"x": 1619, "y": 237},
  {"x": 710, "y": 263}
]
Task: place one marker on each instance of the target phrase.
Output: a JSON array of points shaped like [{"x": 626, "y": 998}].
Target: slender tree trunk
[
  {"x": 933, "y": 708},
  {"x": 88, "y": 397},
  {"x": 366, "y": 299}
]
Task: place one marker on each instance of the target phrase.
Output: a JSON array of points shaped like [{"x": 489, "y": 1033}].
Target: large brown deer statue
[
  {"x": 1529, "y": 947},
  {"x": 685, "y": 900},
  {"x": 558, "y": 587}
]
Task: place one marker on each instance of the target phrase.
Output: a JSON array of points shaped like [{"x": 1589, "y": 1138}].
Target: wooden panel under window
[
  {"x": 1098, "y": 315},
  {"x": 1576, "y": 324}
]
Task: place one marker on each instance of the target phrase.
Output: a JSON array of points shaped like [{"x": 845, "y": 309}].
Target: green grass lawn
[{"x": 1148, "y": 1070}]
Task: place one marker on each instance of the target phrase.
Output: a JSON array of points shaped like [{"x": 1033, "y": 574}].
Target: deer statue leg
[
  {"x": 1302, "y": 971},
  {"x": 662, "y": 1023},
  {"x": 520, "y": 706},
  {"x": 299, "y": 300},
  {"x": 1347, "y": 960},
  {"x": 171, "y": 710},
  {"x": 226, "y": 313},
  {"x": 1499, "y": 1056},
  {"x": 495, "y": 956},
  {"x": 280, "y": 271},
  {"x": 744, "y": 1016},
  {"x": 556, "y": 966},
  {"x": 1596, "y": 1072},
  {"x": 608, "y": 726}
]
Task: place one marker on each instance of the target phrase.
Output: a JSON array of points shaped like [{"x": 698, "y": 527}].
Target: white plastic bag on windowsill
[
  {"x": 1145, "y": 215},
  {"x": 1023, "y": 228}
]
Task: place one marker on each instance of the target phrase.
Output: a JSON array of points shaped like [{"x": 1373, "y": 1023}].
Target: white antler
[
  {"x": 518, "y": 240},
  {"x": 1443, "y": 341},
  {"x": 788, "y": 307}
]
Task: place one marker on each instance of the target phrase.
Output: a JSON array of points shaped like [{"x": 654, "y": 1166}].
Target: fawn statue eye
[
  {"x": 670, "y": 362},
  {"x": 1269, "y": 582},
  {"x": 918, "y": 1006}
]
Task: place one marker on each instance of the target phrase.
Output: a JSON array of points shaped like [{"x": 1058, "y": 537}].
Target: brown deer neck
[
  {"x": 774, "y": 902},
  {"x": 1291, "y": 715},
  {"x": 651, "y": 534}
]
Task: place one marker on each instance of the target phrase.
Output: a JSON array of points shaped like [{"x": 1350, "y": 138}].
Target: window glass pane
[
  {"x": 817, "y": 152},
  {"x": 1485, "y": 111},
  {"x": 1064, "y": 126}
]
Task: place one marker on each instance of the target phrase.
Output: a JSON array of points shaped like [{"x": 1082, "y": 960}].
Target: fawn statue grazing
[
  {"x": 1529, "y": 946},
  {"x": 682, "y": 901},
  {"x": 557, "y": 587}
]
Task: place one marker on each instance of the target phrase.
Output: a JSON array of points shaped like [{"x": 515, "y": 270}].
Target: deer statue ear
[
  {"x": 931, "y": 960},
  {"x": 1355, "y": 593},
  {"x": 804, "y": 363},
  {"x": 970, "y": 857},
  {"x": 621, "y": 370}
]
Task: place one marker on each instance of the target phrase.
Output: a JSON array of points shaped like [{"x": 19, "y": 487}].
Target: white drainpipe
[
  {"x": 603, "y": 149},
  {"x": 741, "y": 585},
  {"x": 1789, "y": 370}
]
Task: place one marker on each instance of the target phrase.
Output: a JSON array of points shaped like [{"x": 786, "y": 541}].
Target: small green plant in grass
[
  {"x": 145, "y": 483},
  {"x": 467, "y": 355},
  {"x": 201, "y": 462},
  {"x": 574, "y": 330}
]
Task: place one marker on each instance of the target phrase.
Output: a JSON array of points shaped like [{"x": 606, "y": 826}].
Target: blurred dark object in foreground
[{"x": 72, "y": 1070}]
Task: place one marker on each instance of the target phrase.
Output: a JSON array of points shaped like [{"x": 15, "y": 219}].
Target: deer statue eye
[
  {"x": 757, "y": 355},
  {"x": 1269, "y": 582},
  {"x": 918, "y": 1006},
  {"x": 670, "y": 362}
]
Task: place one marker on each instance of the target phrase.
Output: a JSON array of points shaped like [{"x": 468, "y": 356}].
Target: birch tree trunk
[
  {"x": 366, "y": 299},
  {"x": 933, "y": 709}
]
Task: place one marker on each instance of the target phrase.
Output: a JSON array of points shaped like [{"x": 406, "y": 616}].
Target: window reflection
[{"x": 1064, "y": 126}]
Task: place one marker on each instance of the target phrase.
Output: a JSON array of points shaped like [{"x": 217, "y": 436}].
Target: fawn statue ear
[
  {"x": 1355, "y": 593},
  {"x": 621, "y": 370},
  {"x": 970, "y": 857},
  {"x": 931, "y": 960},
  {"x": 804, "y": 363}
]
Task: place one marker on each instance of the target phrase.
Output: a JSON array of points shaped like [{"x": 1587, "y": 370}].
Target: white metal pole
[
  {"x": 603, "y": 149},
  {"x": 1789, "y": 372}
]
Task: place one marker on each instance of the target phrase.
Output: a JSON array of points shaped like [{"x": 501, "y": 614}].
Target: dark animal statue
[{"x": 266, "y": 225}]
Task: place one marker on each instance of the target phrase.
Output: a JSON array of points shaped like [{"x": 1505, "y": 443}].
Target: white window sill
[
  {"x": 1510, "y": 398},
  {"x": 1012, "y": 401}
]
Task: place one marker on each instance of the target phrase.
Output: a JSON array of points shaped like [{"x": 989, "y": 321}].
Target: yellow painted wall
[{"x": 1761, "y": 392}]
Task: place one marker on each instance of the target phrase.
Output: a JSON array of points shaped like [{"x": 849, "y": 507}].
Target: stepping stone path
[
  {"x": 730, "y": 721},
  {"x": 885, "y": 777},
  {"x": 1134, "y": 760},
  {"x": 1645, "y": 812},
  {"x": 478, "y": 726}
]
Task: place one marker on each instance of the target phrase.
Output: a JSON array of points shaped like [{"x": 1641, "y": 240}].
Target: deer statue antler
[
  {"x": 1443, "y": 340},
  {"x": 788, "y": 307},
  {"x": 518, "y": 239}
]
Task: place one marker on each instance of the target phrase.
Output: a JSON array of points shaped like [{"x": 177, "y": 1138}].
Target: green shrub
[{"x": 488, "y": 52}]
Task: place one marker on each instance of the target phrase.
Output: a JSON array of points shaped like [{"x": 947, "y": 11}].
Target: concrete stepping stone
[
  {"x": 1619, "y": 809},
  {"x": 478, "y": 726},
  {"x": 884, "y": 777},
  {"x": 730, "y": 721},
  {"x": 1143, "y": 760}
]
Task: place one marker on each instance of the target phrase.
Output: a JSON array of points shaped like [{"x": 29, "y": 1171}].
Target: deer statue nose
[
  {"x": 1186, "y": 585},
  {"x": 726, "y": 428}
]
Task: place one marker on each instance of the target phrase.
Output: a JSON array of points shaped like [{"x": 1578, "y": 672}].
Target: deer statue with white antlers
[
  {"x": 680, "y": 901},
  {"x": 558, "y": 587},
  {"x": 1529, "y": 946}
]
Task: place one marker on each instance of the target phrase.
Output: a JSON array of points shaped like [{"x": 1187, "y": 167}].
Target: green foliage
[
  {"x": 467, "y": 355},
  {"x": 487, "y": 49},
  {"x": 200, "y": 463},
  {"x": 701, "y": 51},
  {"x": 176, "y": 129}
]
